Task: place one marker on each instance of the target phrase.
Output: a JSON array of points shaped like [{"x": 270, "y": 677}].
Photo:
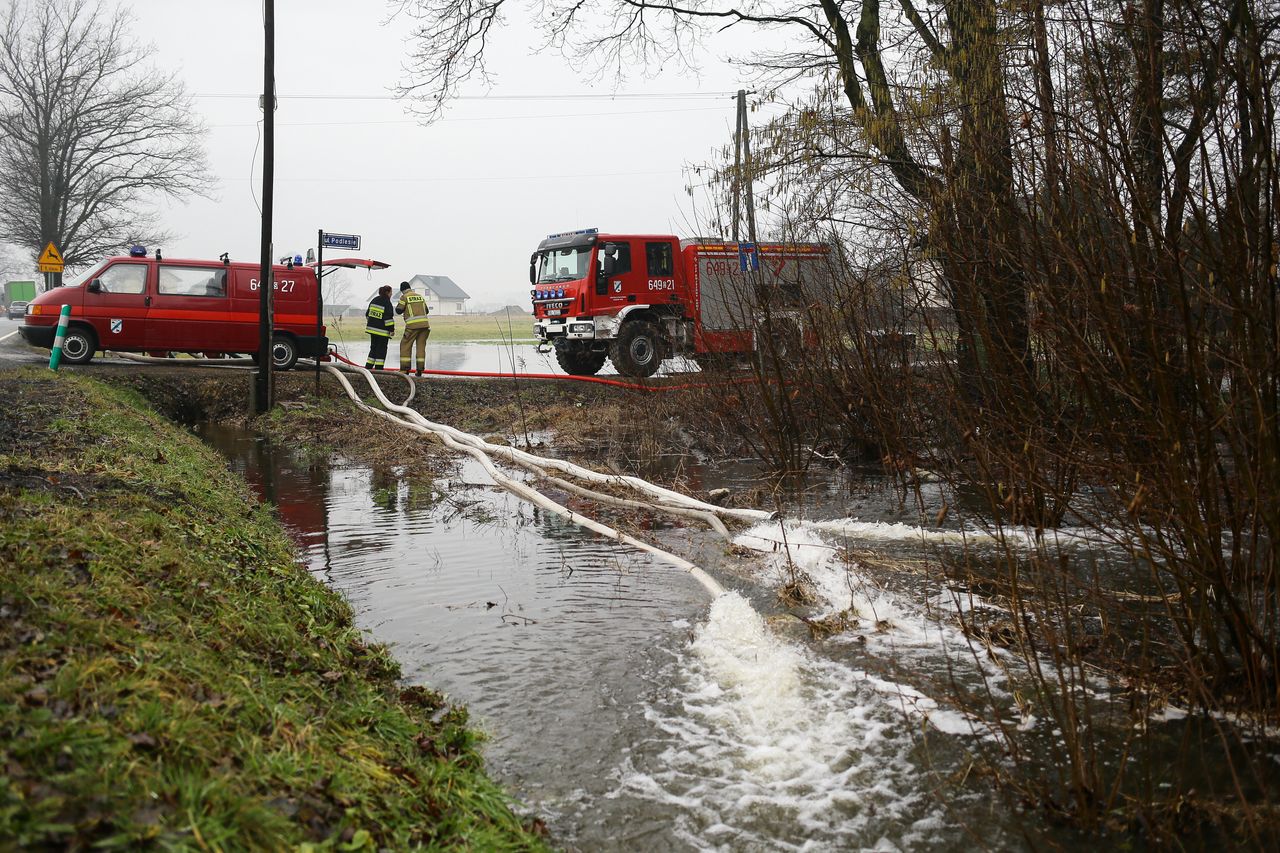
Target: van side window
[
  {"x": 124, "y": 278},
  {"x": 193, "y": 281},
  {"x": 658, "y": 258}
]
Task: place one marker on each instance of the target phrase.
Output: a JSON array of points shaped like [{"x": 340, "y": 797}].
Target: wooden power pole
[{"x": 262, "y": 385}]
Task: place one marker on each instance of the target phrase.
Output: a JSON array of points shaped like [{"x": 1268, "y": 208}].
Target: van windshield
[
  {"x": 79, "y": 278},
  {"x": 557, "y": 265}
]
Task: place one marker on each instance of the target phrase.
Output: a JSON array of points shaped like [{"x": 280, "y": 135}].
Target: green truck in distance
[{"x": 19, "y": 291}]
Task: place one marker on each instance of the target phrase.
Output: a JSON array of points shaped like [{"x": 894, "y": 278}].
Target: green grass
[
  {"x": 170, "y": 676},
  {"x": 452, "y": 329}
]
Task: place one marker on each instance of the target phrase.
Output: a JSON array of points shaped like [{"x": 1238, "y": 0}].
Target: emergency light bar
[{"x": 573, "y": 233}]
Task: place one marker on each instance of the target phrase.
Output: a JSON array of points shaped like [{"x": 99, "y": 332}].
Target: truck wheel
[
  {"x": 578, "y": 359},
  {"x": 639, "y": 350},
  {"x": 79, "y": 345},
  {"x": 284, "y": 352}
]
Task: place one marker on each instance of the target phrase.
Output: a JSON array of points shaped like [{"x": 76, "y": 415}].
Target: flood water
[
  {"x": 496, "y": 357},
  {"x": 623, "y": 706}
]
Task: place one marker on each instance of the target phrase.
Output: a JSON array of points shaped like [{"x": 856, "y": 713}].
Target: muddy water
[{"x": 626, "y": 708}]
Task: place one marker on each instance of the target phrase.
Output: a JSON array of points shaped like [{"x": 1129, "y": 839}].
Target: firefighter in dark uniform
[{"x": 380, "y": 325}]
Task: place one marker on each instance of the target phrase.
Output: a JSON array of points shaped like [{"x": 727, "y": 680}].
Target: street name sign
[{"x": 351, "y": 242}]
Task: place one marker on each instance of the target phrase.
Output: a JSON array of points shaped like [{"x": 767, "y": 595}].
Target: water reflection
[{"x": 547, "y": 635}]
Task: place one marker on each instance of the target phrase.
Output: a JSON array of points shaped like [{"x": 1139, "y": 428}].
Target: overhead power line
[
  {"x": 523, "y": 117},
  {"x": 618, "y": 96},
  {"x": 329, "y": 179}
]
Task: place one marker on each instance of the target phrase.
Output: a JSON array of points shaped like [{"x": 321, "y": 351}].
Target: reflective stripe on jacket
[
  {"x": 414, "y": 308},
  {"x": 378, "y": 317}
]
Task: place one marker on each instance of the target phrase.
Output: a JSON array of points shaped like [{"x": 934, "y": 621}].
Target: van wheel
[
  {"x": 284, "y": 352},
  {"x": 639, "y": 350},
  {"x": 577, "y": 359},
  {"x": 79, "y": 345}
]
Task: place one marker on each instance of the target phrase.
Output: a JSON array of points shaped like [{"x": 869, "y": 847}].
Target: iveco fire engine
[{"x": 638, "y": 299}]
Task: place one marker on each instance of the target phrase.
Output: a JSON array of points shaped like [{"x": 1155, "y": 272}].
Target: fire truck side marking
[{"x": 281, "y": 286}]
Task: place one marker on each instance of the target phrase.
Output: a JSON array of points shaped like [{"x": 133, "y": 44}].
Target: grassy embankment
[
  {"x": 170, "y": 675},
  {"x": 448, "y": 329}
]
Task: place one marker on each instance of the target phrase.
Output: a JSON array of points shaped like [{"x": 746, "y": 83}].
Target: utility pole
[
  {"x": 742, "y": 163},
  {"x": 262, "y": 385},
  {"x": 319, "y": 301},
  {"x": 737, "y": 162}
]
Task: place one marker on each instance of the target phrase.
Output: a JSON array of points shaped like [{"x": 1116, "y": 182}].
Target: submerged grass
[{"x": 169, "y": 675}]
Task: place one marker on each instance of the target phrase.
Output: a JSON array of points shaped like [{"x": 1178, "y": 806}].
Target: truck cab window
[
  {"x": 124, "y": 278},
  {"x": 621, "y": 260},
  {"x": 659, "y": 258}
]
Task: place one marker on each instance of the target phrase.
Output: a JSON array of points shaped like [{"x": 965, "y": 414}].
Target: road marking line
[{"x": 10, "y": 335}]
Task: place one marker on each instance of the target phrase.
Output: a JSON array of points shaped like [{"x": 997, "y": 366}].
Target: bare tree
[
  {"x": 88, "y": 132},
  {"x": 14, "y": 263},
  {"x": 1093, "y": 185},
  {"x": 953, "y": 168},
  {"x": 337, "y": 293}
]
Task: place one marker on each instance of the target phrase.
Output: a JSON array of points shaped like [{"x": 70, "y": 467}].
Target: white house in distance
[{"x": 443, "y": 294}]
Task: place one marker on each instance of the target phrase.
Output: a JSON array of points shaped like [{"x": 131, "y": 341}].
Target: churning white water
[
  {"x": 918, "y": 629},
  {"x": 759, "y": 733}
]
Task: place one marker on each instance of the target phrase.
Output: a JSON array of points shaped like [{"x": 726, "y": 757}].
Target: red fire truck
[
  {"x": 143, "y": 304},
  {"x": 638, "y": 299}
]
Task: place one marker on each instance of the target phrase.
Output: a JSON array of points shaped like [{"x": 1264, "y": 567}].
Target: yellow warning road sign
[{"x": 51, "y": 260}]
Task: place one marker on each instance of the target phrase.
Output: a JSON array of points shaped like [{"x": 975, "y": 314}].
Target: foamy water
[
  {"x": 917, "y": 636},
  {"x": 766, "y": 734}
]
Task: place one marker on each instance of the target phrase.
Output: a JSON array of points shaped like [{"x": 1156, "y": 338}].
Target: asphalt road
[{"x": 13, "y": 350}]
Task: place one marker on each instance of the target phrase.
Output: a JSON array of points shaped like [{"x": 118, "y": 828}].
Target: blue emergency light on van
[{"x": 137, "y": 251}]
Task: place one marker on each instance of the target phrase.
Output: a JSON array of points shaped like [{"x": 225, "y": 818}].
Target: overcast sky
[{"x": 468, "y": 197}]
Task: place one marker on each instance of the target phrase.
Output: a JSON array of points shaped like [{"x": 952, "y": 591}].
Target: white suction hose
[
  {"x": 520, "y": 457},
  {"x": 522, "y": 489}
]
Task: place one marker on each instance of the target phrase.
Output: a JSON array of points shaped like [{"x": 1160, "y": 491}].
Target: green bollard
[{"x": 55, "y": 355}]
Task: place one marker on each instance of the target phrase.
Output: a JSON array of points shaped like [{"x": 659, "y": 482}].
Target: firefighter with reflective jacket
[
  {"x": 417, "y": 328},
  {"x": 380, "y": 325}
]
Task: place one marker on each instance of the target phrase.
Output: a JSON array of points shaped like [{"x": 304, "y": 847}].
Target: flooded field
[
  {"x": 491, "y": 357},
  {"x": 624, "y": 706}
]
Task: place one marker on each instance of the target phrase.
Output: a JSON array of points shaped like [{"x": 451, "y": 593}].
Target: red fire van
[{"x": 143, "y": 304}]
